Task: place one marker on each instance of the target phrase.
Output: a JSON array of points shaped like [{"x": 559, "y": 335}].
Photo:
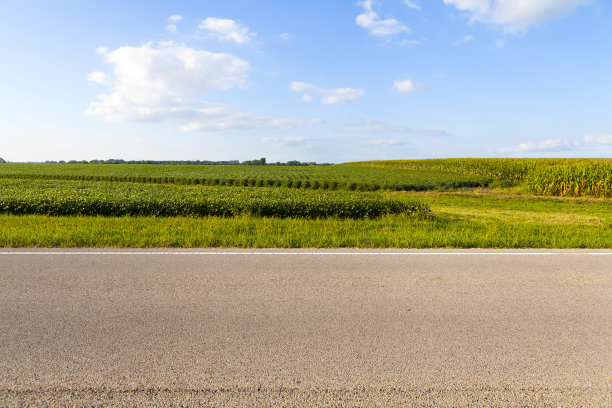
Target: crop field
[
  {"x": 310, "y": 178},
  {"x": 132, "y": 199},
  {"x": 555, "y": 177},
  {"x": 493, "y": 203}
]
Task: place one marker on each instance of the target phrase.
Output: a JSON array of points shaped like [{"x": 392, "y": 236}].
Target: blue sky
[{"x": 308, "y": 80}]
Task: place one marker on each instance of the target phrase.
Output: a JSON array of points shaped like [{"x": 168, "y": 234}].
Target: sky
[{"x": 318, "y": 80}]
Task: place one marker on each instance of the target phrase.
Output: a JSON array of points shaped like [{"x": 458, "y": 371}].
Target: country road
[{"x": 305, "y": 327}]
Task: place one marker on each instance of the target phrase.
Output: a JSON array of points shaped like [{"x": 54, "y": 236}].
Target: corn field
[
  {"x": 573, "y": 180},
  {"x": 551, "y": 177}
]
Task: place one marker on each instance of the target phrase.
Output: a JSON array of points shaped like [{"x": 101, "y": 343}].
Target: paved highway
[{"x": 305, "y": 327}]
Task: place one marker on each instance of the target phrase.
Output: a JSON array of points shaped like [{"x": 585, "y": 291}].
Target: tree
[{"x": 2, "y": 160}]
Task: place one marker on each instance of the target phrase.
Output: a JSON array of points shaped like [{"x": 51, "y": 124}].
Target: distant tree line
[{"x": 256, "y": 162}]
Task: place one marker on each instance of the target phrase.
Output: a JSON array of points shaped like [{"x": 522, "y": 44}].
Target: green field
[
  {"x": 67, "y": 197},
  {"x": 460, "y": 203},
  {"x": 359, "y": 178}
]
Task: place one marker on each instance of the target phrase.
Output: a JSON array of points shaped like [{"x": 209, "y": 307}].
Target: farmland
[
  {"x": 360, "y": 178},
  {"x": 555, "y": 177},
  {"x": 132, "y": 199},
  {"x": 497, "y": 203}
]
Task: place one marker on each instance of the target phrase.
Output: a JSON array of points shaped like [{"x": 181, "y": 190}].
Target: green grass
[
  {"x": 253, "y": 206},
  {"x": 463, "y": 220}
]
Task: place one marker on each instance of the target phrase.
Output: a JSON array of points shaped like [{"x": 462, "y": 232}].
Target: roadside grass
[
  {"x": 465, "y": 219},
  {"x": 515, "y": 203}
]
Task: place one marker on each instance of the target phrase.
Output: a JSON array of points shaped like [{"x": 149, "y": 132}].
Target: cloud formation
[
  {"x": 516, "y": 16},
  {"x": 388, "y": 142},
  {"x": 406, "y": 86},
  {"x": 554, "y": 145},
  {"x": 377, "y": 26},
  {"x": 227, "y": 30},
  {"x": 598, "y": 139},
  {"x": 99, "y": 77},
  {"x": 412, "y": 4},
  {"x": 162, "y": 82},
  {"x": 328, "y": 96},
  {"x": 286, "y": 141},
  {"x": 371, "y": 126},
  {"x": 538, "y": 146},
  {"x": 175, "y": 18}
]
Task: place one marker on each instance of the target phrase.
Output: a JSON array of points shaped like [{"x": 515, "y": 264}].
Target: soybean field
[
  {"x": 68, "y": 198},
  {"x": 447, "y": 203},
  {"x": 359, "y": 178},
  {"x": 551, "y": 177}
]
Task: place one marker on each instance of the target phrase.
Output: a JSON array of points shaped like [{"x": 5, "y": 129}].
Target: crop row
[
  {"x": 542, "y": 176},
  {"x": 356, "y": 178},
  {"x": 129, "y": 199},
  {"x": 592, "y": 180},
  {"x": 507, "y": 171},
  {"x": 552, "y": 177}
]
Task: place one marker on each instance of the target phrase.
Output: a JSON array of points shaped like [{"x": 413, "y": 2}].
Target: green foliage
[
  {"x": 573, "y": 180},
  {"x": 564, "y": 177},
  {"x": 577, "y": 177},
  {"x": 61, "y": 198},
  {"x": 353, "y": 178}
]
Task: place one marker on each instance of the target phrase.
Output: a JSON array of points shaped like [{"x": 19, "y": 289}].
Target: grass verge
[{"x": 469, "y": 219}]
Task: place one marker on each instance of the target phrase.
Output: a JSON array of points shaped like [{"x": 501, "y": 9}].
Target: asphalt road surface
[{"x": 305, "y": 328}]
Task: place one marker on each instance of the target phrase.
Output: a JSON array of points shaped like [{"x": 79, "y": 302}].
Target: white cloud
[
  {"x": 371, "y": 126},
  {"x": 406, "y": 41},
  {"x": 170, "y": 72},
  {"x": 553, "y": 145},
  {"x": 227, "y": 30},
  {"x": 377, "y": 26},
  {"x": 161, "y": 82},
  {"x": 598, "y": 139},
  {"x": 302, "y": 86},
  {"x": 539, "y": 146},
  {"x": 412, "y": 4},
  {"x": 213, "y": 117},
  {"x": 464, "y": 39},
  {"x": 328, "y": 96},
  {"x": 516, "y": 16},
  {"x": 306, "y": 97},
  {"x": 341, "y": 95},
  {"x": 286, "y": 141},
  {"x": 285, "y": 36},
  {"x": 99, "y": 77},
  {"x": 406, "y": 86},
  {"x": 388, "y": 142},
  {"x": 175, "y": 18}
]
